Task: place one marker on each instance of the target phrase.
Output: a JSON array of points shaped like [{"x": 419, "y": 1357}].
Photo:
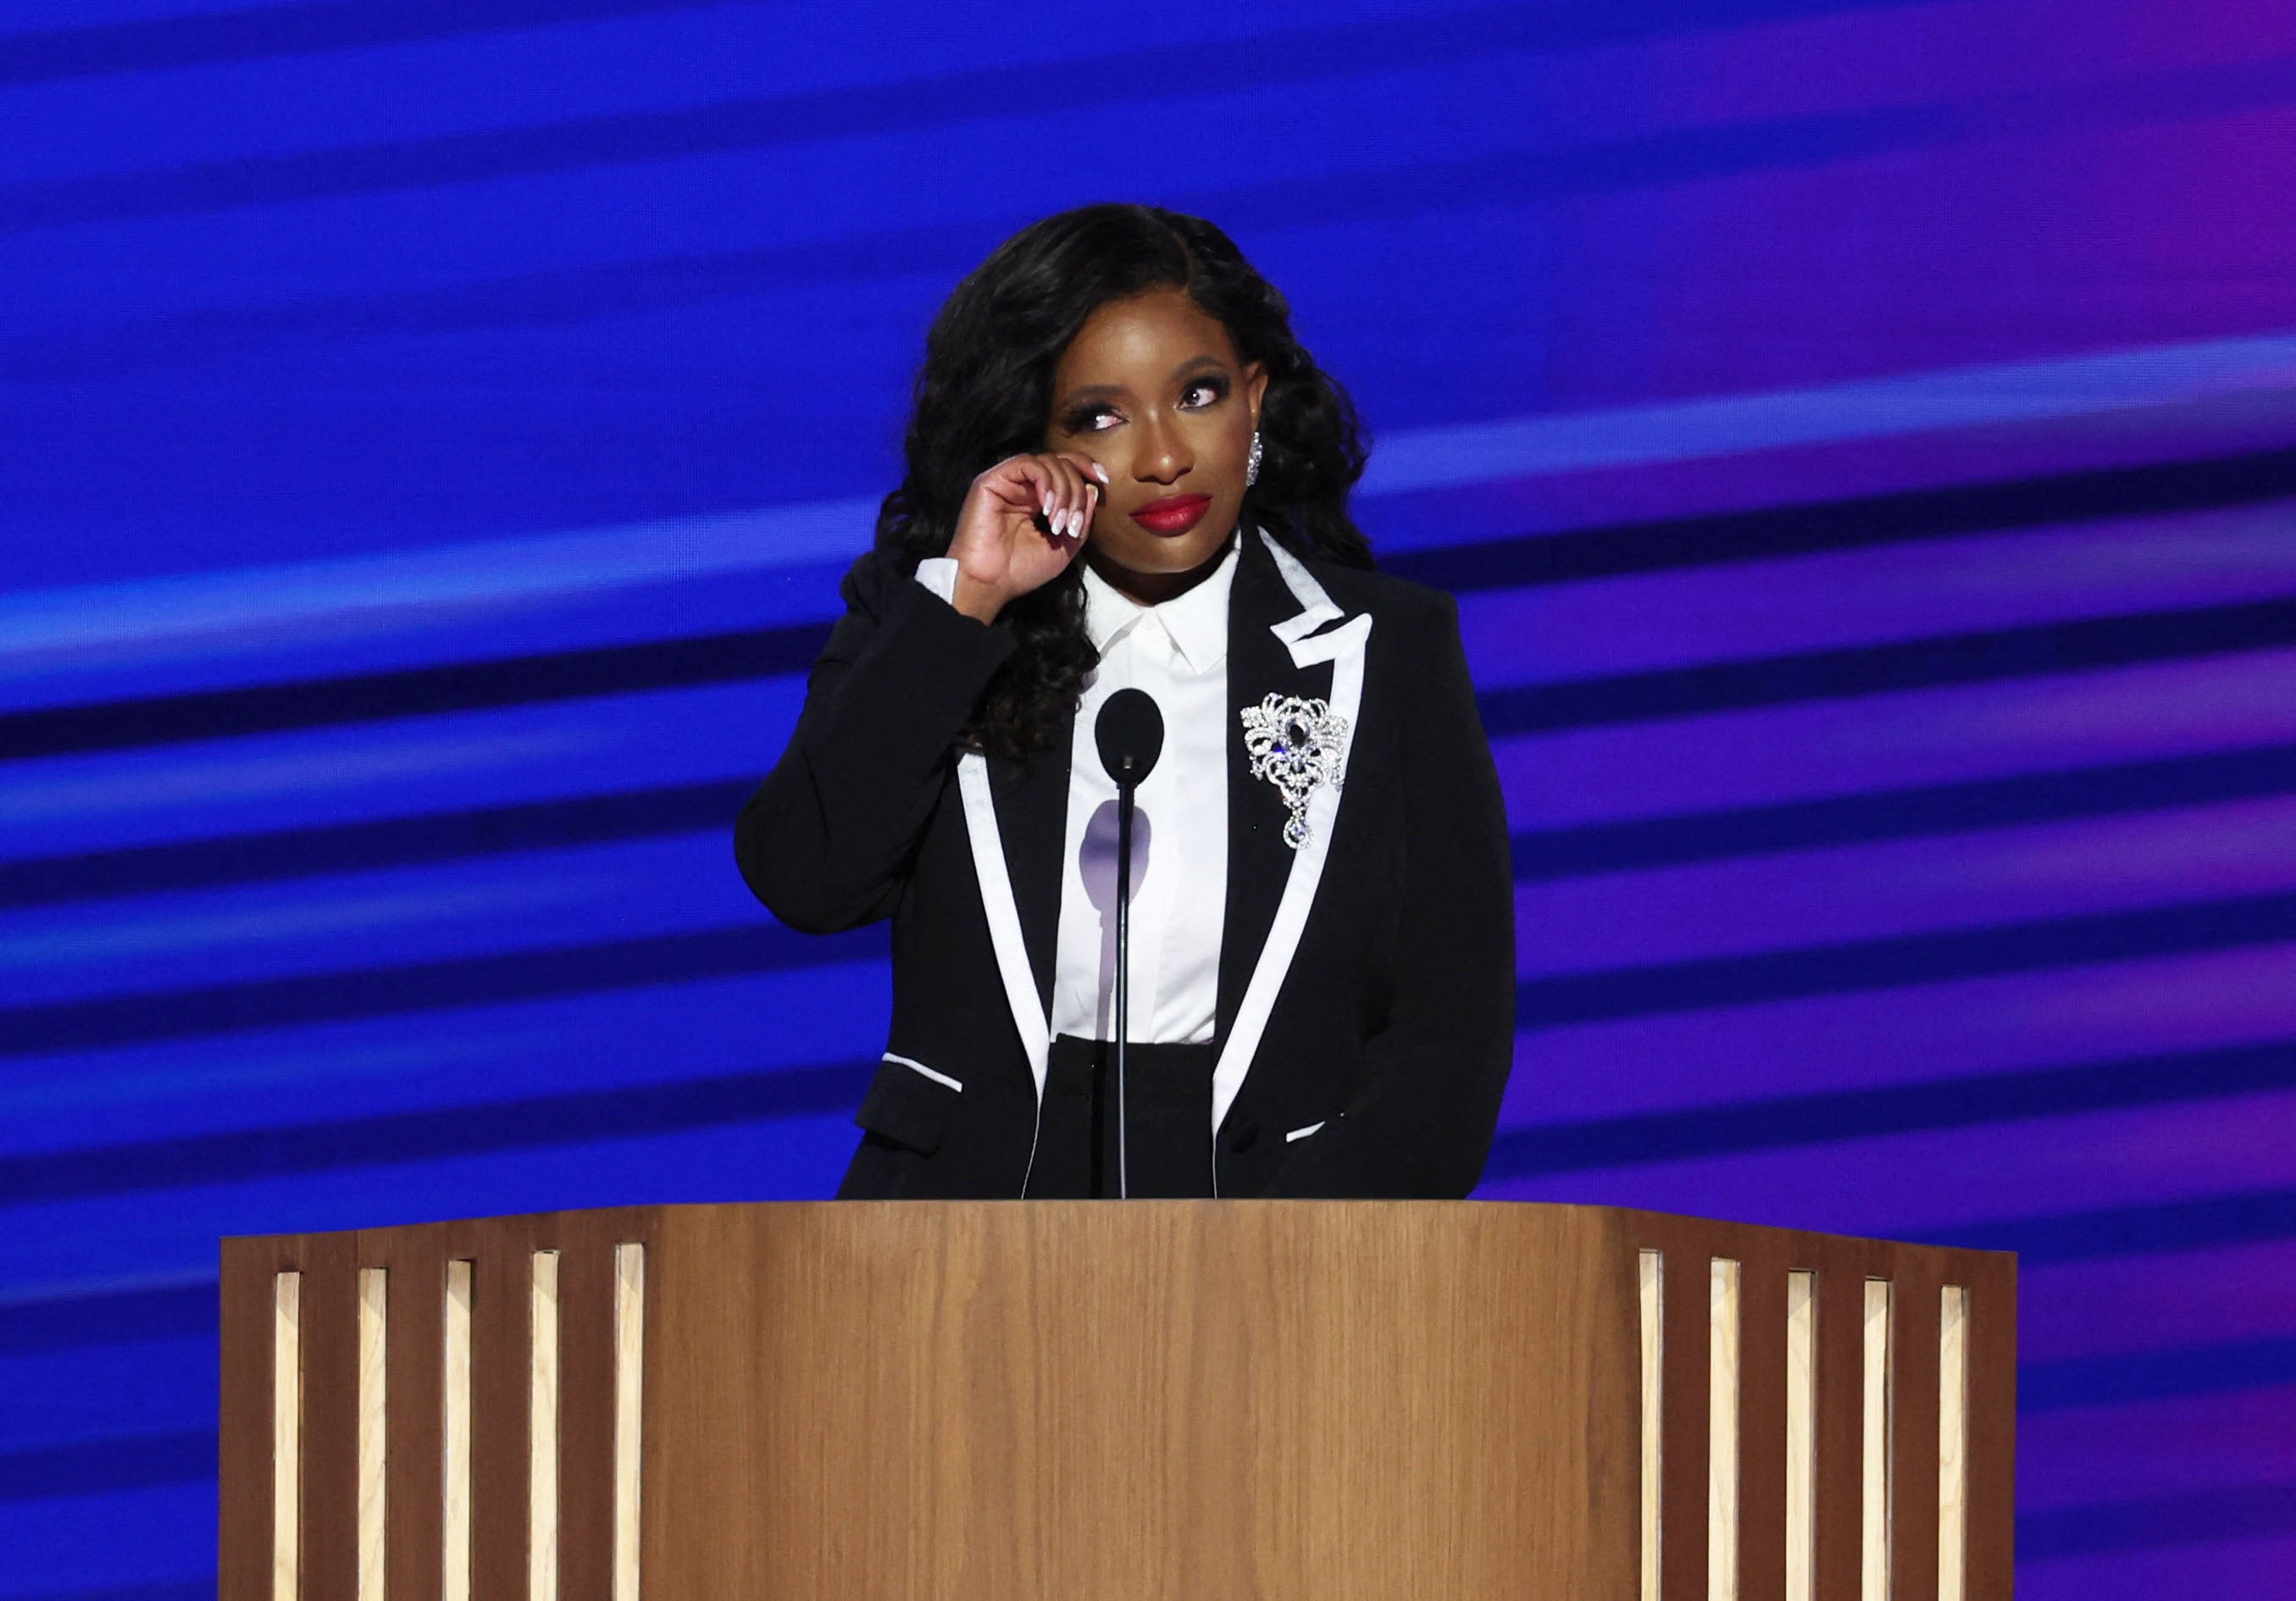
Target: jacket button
[{"x": 1241, "y": 1133}]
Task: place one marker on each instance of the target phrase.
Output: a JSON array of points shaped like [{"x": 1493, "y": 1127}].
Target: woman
[{"x": 1123, "y": 471}]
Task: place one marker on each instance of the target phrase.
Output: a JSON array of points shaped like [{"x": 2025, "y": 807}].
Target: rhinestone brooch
[{"x": 1295, "y": 745}]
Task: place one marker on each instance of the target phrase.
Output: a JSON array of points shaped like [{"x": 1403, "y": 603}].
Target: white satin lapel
[
  {"x": 1003, "y": 913},
  {"x": 1343, "y": 648}
]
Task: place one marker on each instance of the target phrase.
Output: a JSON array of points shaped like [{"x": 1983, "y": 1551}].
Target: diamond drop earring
[{"x": 1251, "y": 463}]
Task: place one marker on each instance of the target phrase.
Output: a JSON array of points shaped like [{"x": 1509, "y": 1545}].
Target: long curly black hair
[{"x": 985, "y": 392}]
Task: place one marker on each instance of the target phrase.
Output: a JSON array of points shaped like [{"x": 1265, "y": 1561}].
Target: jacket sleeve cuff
[{"x": 939, "y": 574}]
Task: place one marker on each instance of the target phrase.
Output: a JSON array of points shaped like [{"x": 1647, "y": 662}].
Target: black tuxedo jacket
[{"x": 1366, "y": 981}]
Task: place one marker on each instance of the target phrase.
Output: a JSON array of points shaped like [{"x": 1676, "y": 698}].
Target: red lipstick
[{"x": 1174, "y": 514}]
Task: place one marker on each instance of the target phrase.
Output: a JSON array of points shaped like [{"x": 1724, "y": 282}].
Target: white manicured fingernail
[
  {"x": 1076, "y": 525},
  {"x": 1100, "y": 472}
]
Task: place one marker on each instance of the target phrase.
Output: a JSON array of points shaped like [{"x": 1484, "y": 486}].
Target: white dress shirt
[{"x": 1177, "y": 652}]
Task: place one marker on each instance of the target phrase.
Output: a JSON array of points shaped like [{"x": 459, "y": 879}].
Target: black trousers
[{"x": 1167, "y": 1122}]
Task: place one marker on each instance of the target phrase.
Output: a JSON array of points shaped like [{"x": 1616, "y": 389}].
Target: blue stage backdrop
[{"x": 1861, "y": 433}]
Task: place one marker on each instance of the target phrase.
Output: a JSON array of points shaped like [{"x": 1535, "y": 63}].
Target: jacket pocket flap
[{"x": 907, "y": 1107}]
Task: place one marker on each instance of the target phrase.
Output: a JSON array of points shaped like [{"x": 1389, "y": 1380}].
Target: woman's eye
[
  {"x": 1091, "y": 420},
  {"x": 1211, "y": 390}
]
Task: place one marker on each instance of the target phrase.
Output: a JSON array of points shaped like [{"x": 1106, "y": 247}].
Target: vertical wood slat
[
  {"x": 247, "y": 1286},
  {"x": 1991, "y": 1553},
  {"x": 458, "y": 1362},
  {"x": 330, "y": 1411},
  {"x": 373, "y": 1429},
  {"x": 1649, "y": 1289},
  {"x": 1877, "y": 1407},
  {"x": 1683, "y": 1448},
  {"x": 542, "y": 1428},
  {"x": 413, "y": 1407},
  {"x": 1799, "y": 1512},
  {"x": 1724, "y": 1321},
  {"x": 1762, "y": 1422},
  {"x": 287, "y": 1436},
  {"x": 1953, "y": 1442},
  {"x": 1914, "y": 1431},
  {"x": 629, "y": 1412},
  {"x": 1841, "y": 1436}
]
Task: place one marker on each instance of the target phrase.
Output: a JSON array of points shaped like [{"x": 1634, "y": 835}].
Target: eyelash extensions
[{"x": 1080, "y": 420}]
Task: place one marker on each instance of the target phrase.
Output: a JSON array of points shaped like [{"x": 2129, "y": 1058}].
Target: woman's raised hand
[{"x": 1022, "y": 523}]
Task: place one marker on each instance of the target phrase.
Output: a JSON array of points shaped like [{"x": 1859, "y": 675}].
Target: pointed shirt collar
[{"x": 1196, "y": 622}]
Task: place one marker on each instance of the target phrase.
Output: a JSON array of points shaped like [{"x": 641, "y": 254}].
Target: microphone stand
[
  {"x": 1124, "y": 795},
  {"x": 1130, "y": 735}
]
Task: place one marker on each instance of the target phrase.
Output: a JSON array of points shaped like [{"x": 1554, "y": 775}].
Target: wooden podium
[{"x": 1342, "y": 1400}]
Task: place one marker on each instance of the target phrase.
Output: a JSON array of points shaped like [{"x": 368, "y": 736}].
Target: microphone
[{"x": 1130, "y": 734}]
